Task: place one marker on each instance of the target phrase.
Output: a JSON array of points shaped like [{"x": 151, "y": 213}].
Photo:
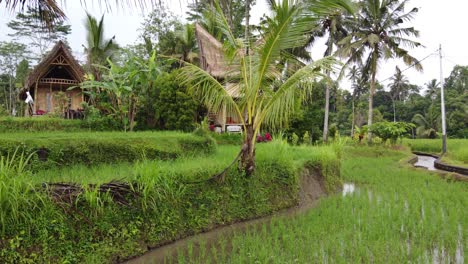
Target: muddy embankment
[{"x": 311, "y": 189}]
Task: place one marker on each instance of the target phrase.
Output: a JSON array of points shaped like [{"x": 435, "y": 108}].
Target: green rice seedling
[{"x": 396, "y": 215}]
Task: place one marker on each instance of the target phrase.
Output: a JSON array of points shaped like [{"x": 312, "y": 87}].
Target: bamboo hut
[
  {"x": 213, "y": 61},
  {"x": 57, "y": 72}
]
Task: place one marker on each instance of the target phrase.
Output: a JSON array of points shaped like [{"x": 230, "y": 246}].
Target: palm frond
[
  {"x": 210, "y": 91},
  {"x": 279, "y": 107}
]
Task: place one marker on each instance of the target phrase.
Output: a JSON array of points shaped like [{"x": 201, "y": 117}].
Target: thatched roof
[
  {"x": 211, "y": 53},
  {"x": 60, "y": 52}
]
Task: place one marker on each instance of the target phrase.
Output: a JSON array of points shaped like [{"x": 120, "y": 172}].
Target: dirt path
[{"x": 311, "y": 189}]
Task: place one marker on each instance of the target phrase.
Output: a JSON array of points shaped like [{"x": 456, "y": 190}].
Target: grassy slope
[
  {"x": 91, "y": 148},
  {"x": 398, "y": 214},
  {"x": 95, "y": 230}
]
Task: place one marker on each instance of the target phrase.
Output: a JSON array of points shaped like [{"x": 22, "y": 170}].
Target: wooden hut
[
  {"x": 213, "y": 61},
  {"x": 57, "y": 72}
]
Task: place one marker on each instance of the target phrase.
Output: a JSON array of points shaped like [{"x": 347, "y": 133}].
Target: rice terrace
[{"x": 233, "y": 131}]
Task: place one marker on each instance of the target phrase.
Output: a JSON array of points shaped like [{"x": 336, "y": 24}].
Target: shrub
[{"x": 390, "y": 130}]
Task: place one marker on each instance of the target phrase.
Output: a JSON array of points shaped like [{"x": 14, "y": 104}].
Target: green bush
[
  {"x": 390, "y": 130},
  {"x": 90, "y": 148}
]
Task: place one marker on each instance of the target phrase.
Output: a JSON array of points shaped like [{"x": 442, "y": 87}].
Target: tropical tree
[
  {"x": 432, "y": 89},
  {"x": 30, "y": 29},
  {"x": 122, "y": 86},
  {"x": 458, "y": 79},
  {"x": 234, "y": 11},
  {"x": 378, "y": 34},
  {"x": 11, "y": 54},
  {"x": 333, "y": 26},
  {"x": 264, "y": 99},
  {"x": 357, "y": 84},
  {"x": 427, "y": 124},
  {"x": 398, "y": 89},
  {"x": 99, "y": 51}
]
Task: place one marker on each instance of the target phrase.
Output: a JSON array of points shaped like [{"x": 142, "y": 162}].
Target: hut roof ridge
[{"x": 42, "y": 66}]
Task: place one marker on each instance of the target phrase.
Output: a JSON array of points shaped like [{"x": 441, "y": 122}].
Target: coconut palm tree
[
  {"x": 378, "y": 34},
  {"x": 263, "y": 97},
  {"x": 334, "y": 27},
  {"x": 399, "y": 89},
  {"x": 354, "y": 75},
  {"x": 187, "y": 43},
  {"x": 427, "y": 124},
  {"x": 432, "y": 89},
  {"x": 98, "y": 49}
]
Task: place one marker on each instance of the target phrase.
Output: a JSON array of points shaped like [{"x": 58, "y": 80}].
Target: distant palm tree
[
  {"x": 378, "y": 35},
  {"x": 98, "y": 49},
  {"x": 399, "y": 89},
  {"x": 432, "y": 89},
  {"x": 187, "y": 43},
  {"x": 334, "y": 27},
  {"x": 427, "y": 124},
  {"x": 354, "y": 75}
]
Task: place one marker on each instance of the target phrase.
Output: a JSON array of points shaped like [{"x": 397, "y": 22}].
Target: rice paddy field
[
  {"x": 457, "y": 149},
  {"x": 395, "y": 214}
]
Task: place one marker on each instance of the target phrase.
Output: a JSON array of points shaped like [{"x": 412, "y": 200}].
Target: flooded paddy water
[
  {"x": 425, "y": 162},
  {"x": 384, "y": 214}
]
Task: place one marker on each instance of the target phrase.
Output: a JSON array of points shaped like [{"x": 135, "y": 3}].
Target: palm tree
[
  {"x": 427, "y": 124},
  {"x": 432, "y": 89},
  {"x": 99, "y": 50},
  {"x": 399, "y": 86},
  {"x": 264, "y": 98},
  {"x": 354, "y": 75},
  {"x": 398, "y": 89},
  {"x": 187, "y": 43},
  {"x": 334, "y": 26},
  {"x": 378, "y": 35}
]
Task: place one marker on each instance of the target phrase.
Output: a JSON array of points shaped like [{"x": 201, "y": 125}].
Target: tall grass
[
  {"x": 396, "y": 215},
  {"x": 18, "y": 201}
]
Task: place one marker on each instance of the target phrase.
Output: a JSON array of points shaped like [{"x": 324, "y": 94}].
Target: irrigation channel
[
  {"x": 311, "y": 191},
  {"x": 425, "y": 162}
]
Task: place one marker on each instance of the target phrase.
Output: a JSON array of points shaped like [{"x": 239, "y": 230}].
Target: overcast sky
[{"x": 439, "y": 22}]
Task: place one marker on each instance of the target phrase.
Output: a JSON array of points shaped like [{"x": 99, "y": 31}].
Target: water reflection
[
  {"x": 426, "y": 162},
  {"x": 348, "y": 188}
]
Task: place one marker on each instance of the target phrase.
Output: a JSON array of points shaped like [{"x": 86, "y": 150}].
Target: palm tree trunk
[
  {"x": 371, "y": 108},
  {"x": 248, "y": 151},
  {"x": 327, "y": 110},
  {"x": 327, "y": 91},
  {"x": 352, "y": 121}
]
